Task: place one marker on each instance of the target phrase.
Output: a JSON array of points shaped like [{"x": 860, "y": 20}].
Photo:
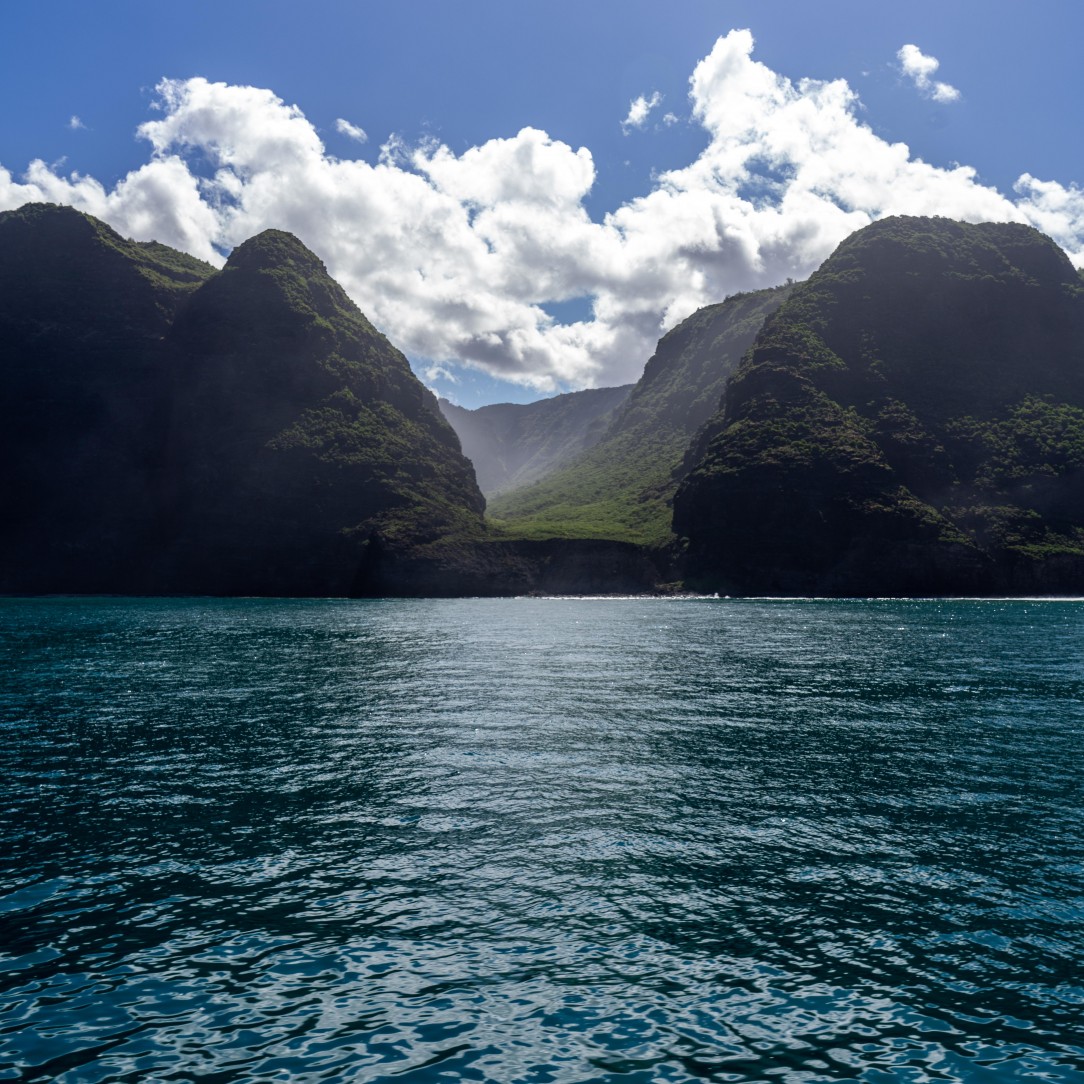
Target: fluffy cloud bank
[{"x": 454, "y": 256}]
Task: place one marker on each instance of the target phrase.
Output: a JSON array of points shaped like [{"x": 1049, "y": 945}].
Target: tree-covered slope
[
  {"x": 171, "y": 428},
  {"x": 298, "y": 430},
  {"x": 514, "y": 444},
  {"x": 622, "y": 486},
  {"x": 910, "y": 420}
]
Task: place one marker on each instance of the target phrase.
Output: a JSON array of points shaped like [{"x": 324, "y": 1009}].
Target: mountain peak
[
  {"x": 901, "y": 244},
  {"x": 275, "y": 249},
  {"x": 57, "y": 232},
  {"x": 910, "y": 421},
  {"x": 55, "y": 215}
]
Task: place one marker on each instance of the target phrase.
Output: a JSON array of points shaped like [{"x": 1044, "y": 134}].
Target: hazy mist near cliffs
[{"x": 512, "y": 445}]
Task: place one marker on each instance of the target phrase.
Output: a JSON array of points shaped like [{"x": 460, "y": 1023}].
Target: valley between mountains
[{"x": 908, "y": 421}]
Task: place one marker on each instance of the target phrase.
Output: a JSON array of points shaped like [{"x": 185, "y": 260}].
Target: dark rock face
[
  {"x": 298, "y": 430},
  {"x": 910, "y": 421},
  {"x": 501, "y": 568},
  {"x": 83, "y": 314},
  {"x": 514, "y": 444},
  {"x": 174, "y": 429}
]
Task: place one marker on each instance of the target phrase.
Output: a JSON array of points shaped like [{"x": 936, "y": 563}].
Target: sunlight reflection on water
[{"x": 541, "y": 840}]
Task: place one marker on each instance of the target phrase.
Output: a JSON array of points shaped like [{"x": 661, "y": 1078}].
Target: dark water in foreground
[{"x": 541, "y": 840}]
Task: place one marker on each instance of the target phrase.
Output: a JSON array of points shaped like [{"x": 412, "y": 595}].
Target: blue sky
[{"x": 509, "y": 265}]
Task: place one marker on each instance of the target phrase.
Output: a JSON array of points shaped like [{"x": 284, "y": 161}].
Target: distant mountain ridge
[
  {"x": 512, "y": 445},
  {"x": 622, "y": 486}
]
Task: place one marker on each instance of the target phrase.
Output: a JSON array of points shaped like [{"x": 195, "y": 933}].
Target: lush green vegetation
[
  {"x": 912, "y": 415},
  {"x": 622, "y": 487}
]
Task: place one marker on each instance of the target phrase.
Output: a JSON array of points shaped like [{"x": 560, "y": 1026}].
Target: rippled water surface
[{"x": 541, "y": 840}]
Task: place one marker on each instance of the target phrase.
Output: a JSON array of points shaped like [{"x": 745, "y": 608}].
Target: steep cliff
[
  {"x": 172, "y": 428},
  {"x": 910, "y": 421},
  {"x": 83, "y": 315},
  {"x": 297, "y": 431}
]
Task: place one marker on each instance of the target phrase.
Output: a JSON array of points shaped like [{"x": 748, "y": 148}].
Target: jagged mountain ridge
[
  {"x": 179, "y": 429},
  {"x": 910, "y": 421},
  {"x": 512, "y": 444}
]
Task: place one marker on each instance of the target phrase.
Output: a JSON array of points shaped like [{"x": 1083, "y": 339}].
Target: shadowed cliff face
[
  {"x": 910, "y": 421},
  {"x": 298, "y": 430},
  {"x": 178, "y": 429},
  {"x": 82, "y": 317}
]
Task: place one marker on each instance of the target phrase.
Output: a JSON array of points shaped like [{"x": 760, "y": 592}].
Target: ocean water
[{"x": 541, "y": 840}]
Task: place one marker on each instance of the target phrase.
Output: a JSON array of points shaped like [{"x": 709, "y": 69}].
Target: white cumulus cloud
[
  {"x": 639, "y": 109},
  {"x": 351, "y": 131},
  {"x": 75, "y": 123},
  {"x": 919, "y": 68},
  {"x": 455, "y": 255}
]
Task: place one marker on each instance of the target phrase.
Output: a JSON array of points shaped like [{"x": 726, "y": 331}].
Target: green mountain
[
  {"x": 514, "y": 444},
  {"x": 172, "y": 428},
  {"x": 621, "y": 487},
  {"x": 911, "y": 420}
]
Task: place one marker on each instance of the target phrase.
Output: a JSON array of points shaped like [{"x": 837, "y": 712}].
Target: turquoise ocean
[{"x": 541, "y": 840}]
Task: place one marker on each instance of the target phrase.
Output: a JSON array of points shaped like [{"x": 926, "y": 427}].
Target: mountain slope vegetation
[
  {"x": 514, "y": 444},
  {"x": 621, "y": 488},
  {"x": 910, "y": 420}
]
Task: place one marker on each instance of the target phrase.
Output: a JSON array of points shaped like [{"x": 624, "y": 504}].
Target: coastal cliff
[
  {"x": 170, "y": 428},
  {"x": 911, "y": 421},
  {"x": 908, "y": 421}
]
